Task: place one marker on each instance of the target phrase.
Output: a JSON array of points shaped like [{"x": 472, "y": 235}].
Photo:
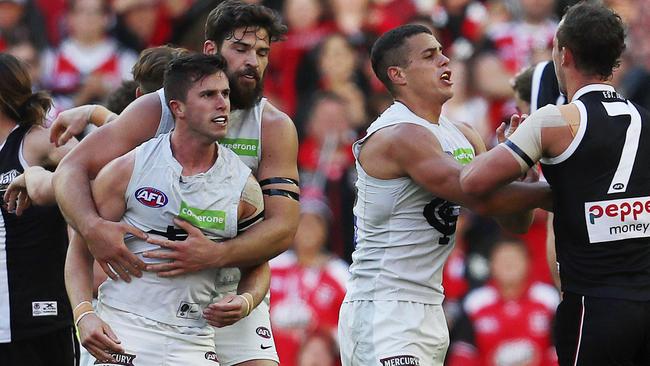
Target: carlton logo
[
  {"x": 151, "y": 197},
  {"x": 263, "y": 332},
  {"x": 403, "y": 360}
]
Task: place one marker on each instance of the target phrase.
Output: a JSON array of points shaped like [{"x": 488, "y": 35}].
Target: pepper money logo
[{"x": 613, "y": 220}]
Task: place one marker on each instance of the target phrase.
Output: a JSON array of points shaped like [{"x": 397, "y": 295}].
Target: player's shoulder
[
  {"x": 277, "y": 126},
  {"x": 274, "y": 117}
]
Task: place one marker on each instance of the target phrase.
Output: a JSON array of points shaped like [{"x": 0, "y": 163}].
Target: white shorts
[
  {"x": 390, "y": 333},
  {"x": 149, "y": 343},
  {"x": 248, "y": 339}
]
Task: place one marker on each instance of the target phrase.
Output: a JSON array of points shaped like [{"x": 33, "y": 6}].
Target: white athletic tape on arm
[{"x": 526, "y": 142}]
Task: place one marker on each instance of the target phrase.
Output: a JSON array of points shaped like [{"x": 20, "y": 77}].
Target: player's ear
[
  {"x": 177, "y": 107},
  {"x": 210, "y": 48},
  {"x": 396, "y": 75}
]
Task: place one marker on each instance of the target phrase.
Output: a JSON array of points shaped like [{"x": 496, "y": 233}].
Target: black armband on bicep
[
  {"x": 278, "y": 180},
  {"x": 281, "y": 192}
]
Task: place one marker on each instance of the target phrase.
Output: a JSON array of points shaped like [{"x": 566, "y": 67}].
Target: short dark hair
[
  {"x": 389, "y": 50},
  {"x": 596, "y": 37},
  {"x": 149, "y": 70},
  {"x": 184, "y": 71},
  {"x": 17, "y": 101},
  {"x": 232, "y": 14},
  {"x": 522, "y": 84},
  {"x": 121, "y": 97}
]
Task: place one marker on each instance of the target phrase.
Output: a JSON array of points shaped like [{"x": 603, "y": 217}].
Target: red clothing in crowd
[
  {"x": 304, "y": 299},
  {"x": 506, "y": 332}
]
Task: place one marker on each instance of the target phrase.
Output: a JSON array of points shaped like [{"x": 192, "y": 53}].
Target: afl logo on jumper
[
  {"x": 263, "y": 332},
  {"x": 151, "y": 197}
]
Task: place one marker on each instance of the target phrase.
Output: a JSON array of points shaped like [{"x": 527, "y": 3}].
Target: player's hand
[
  {"x": 190, "y": 255},
  {"x": 16, "y": 198},
  {"x": 106, "y": 244},
  {"x": 70, "y": 123},
  {"x": 227, "y": 311},
  {"x": 98, "y": 337},
  {"x": 505, "y": 130}
]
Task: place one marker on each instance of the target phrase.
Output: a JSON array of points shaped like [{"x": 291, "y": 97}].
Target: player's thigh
[
  {"x": 248, "y": 342},
  {"x": 392, "y": 332},
  {"x": 150, "y": 343},
  {"x": 599, "y": 331}
]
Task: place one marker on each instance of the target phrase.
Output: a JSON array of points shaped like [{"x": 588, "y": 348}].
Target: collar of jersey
[{"x": 590, "y": 88}]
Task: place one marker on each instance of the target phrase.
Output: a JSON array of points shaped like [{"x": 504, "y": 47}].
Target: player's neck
[
  {"x": 579, "y": 81},
  {"x": 423, "y": 109},
  {"x": 195, "y": 156}
]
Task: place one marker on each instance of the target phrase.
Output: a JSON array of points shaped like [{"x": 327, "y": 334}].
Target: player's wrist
[{"x": 248, "y": 302}]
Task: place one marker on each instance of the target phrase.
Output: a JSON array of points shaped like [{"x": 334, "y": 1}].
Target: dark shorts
[
  {"x": 597, "y": 331},
  {"x": 58, "y": 348}
]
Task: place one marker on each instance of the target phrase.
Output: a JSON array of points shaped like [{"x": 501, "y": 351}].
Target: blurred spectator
[
  {"x": 144, "y": 23},
  {"x": 384, "y": 15},
  {"x": 508, "y": 321},
  {"x": 528, "y": 40},
  {"x": 25, "y": 51},
  {"x": 334, "y": 67},
  {"x": 21, "y": 19},
  {"x": 307, "y": 284},
  {"x": 309, "y": 22},
  {"x": 467, "y": 105},
  {"x": 318, "y": 349},
  {"x": 460, "y": 19},
  {"x": 325, "y": 161},
  {"x": 88, "y": 65}
]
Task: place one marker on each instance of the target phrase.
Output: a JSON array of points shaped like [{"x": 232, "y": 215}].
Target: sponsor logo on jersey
[
  {"x": 188, "y": 310},
  {"x": 612, "y": 220},
  {"x": 123, "y": 359},
  {"x": 463, "y": 155},
  {"x": 242, "y": 147},
  {"x": 8, "y": 177},
  {"x": 151, "y": 197},
  {"x": 44, "y": 308},
  {"x": 204, "y": 219},
  {"x": 263, "y": 332},
  {"x": 402, "y": 360},
  {"x": 211, "y": 356}
]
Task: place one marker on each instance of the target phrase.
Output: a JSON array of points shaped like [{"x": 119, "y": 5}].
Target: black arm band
[
  {"x": 281, "y": 192},
  {"x": 248, "y": 222},
  {"x": 520, "y": 152},
  {"x": 278, "y": 180}
]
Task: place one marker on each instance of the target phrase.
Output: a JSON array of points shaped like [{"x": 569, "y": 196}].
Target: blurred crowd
[{"x": 83, "y": 51}]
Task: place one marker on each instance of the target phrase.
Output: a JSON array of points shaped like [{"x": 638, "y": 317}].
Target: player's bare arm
[
  {"x": 278, "y": 177},
  {"x": 72, "y": 122},
  {"x": 545, "y": 134},
  {"x": 517, "y": 223},
  {"x": 105, "y": 239},
  {"x": 35, "y": 184},
  {"x": 410, "y": 150},
  {"x": 108, "y": 191}
]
